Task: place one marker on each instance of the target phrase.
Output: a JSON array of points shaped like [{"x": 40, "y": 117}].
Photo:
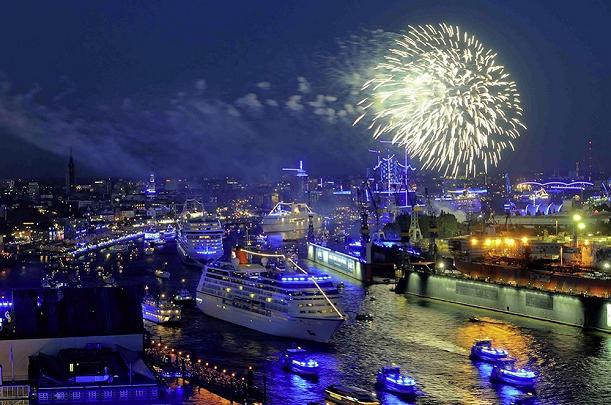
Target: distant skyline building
[
  {"x": 70, "y": 176},
  {"x": 33, "y": 190},
  {"x": 151, "y": 189}
]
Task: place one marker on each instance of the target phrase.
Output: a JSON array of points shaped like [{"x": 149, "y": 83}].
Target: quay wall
[
  {"x": 343, "y": 263},
  {"x": 582, "y": 311}
]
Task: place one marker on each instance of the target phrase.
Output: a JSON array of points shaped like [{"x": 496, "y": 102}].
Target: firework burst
[{"x": 440, "y": 93}]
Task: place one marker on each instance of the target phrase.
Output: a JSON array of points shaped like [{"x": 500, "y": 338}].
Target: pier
[
  {"x": 169, "y": 363},
  {"x": 95, "y": 246},
  {"x": 341, "y": 262},
  {"x": 587, "y": 312}
]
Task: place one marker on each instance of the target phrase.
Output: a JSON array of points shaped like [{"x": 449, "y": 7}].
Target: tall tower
[
  {"x": 70, "y": 175},
  {"x": 415, "y": 235},
  {"x": 589, "y": 159},
  {"x": 151, "y": 189}
]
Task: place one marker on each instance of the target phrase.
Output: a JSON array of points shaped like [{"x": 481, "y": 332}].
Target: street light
[{"x": 578, "y": 224}]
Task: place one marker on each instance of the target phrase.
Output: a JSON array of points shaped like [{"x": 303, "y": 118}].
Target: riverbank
[{"x": 573, "y": 310}]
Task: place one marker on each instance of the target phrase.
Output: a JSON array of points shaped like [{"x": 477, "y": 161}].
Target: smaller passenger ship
[
  {"x": 482, "y": 350},
  {"x": 297, "y": 361},
  {"x": 389, "y": 378},
  {"x": 505, "y": 371},
  {"x": 160, "y": 310},
  {"x": 348, "y": 395}
]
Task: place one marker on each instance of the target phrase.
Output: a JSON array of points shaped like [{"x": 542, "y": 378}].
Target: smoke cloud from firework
[{"x": 441, "y": 94}]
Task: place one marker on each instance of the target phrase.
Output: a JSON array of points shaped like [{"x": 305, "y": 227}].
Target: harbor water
[{"x": 429, "y": 339}]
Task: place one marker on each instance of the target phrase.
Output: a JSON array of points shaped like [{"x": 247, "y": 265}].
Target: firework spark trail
[{"x": 440, "y": 93}]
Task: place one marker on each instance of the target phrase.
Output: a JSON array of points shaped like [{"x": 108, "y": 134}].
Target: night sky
[{"x": 208, "y": 88}]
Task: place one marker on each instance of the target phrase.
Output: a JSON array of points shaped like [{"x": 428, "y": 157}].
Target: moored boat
[
  {"x": 199, "y": 236},
  {"x": 291, "y": 220}
]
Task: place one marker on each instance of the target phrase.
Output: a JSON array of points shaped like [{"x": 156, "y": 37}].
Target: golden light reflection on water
[{"x": 503, "y": 335}]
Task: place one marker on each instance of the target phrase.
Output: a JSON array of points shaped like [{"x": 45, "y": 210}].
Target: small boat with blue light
[
  {"x": 348, "y": 395},
  {"x": 505, "y": 371},
  {"x": 389, "y": 378},
  {"x": 482, "y": 350},
  {"x": 296, "y": 361}
]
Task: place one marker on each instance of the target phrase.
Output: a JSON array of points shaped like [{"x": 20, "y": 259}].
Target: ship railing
[{"x": 297, "y": 266}]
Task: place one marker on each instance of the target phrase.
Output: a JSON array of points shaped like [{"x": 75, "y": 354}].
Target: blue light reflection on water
[{"x": 507, "y": 394}]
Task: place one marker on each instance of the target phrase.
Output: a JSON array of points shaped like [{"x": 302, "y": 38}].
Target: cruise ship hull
[
  {"x": 317, "y": 330},
  {"x": 189, "y": 257},
  {"x": 289, "y": 230}
]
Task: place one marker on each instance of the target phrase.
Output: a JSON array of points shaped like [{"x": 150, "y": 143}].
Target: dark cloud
[{"x": 189, "y": 134}]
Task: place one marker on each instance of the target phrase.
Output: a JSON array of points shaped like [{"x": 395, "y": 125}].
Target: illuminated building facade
[{"x": 70, "y": 176}]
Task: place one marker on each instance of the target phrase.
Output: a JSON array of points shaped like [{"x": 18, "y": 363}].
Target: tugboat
[
  {"x": 183, "y": 296},
  {"x": 482, "y": 350},
  {"x": 108, "y": 279},
  {"x": 389, "y": 378},
  {"x": 364, "y": 317},
  {"x": 162, "y": 273},
  {"x": 348, "y": 395},
  {"x": 295, "y": 360},
  {"x": 505, "y": 371}
]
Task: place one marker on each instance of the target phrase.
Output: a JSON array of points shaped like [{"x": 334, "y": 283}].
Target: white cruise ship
[
  {"x": 291, "y": 220},
  {"x": 200, "y": 235},
  {"x": 272, "y": 301}
]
